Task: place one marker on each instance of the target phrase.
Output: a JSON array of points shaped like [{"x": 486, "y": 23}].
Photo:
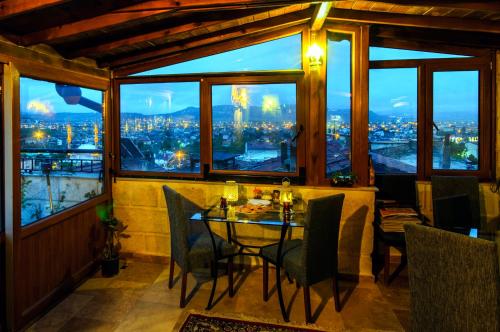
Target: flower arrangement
[{"x": 257, "y": 193}]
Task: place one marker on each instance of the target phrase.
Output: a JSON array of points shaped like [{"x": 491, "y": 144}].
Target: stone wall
[{"x": 140, "y": 204}]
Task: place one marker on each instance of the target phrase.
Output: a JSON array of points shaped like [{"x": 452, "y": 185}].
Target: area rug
[{"x": 197, "y": 322}]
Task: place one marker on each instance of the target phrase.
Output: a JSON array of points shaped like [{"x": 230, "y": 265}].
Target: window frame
[
  {"x": 206, "y": 82},
  {"x": 485, "y": 169},
  {"x": 106, "y": 181},
  {"x": 480, "y": 61},
  {"x": 290, "y": 78},
  {"x": 323, "y": 125},
  {"x": 117, "y": 125},
  {"x": 93, "y": 79}
]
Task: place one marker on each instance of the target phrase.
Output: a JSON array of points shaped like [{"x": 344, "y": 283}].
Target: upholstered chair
[
  {"x": 313, "y": 258},
  {"x": 454, "y": 281},
  {"x": 193, "y": 247}
]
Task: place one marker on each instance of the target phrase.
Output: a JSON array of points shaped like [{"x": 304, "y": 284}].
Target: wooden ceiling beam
[
  {"x": 166, "y": 34},
  {"x": 270, "y": 24},
  {"x": 447, "y": 23},
  {"x": 489, "y": 5},
  {"x": 60, "y": 33},
  {"x": 320, "y": 14},
  {"x": 469, "y": 43},
  {"x": 10, "y": 8},
  {"x": 199, "y": 4},
  {"x": 185, "y": 31}
]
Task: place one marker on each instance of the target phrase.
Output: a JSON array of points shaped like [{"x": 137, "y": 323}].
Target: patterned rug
[{"x": 201, "y": 323}]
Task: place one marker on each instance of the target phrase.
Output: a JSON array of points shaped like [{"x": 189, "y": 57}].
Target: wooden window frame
[
  {"x": 117, "y": 125},
  {"x": 42, "y": 73},
  {"x": 359, "y": 107},
  {"x": 206, "y": 82},
  {"x": 485, "y": 170},
  {"x": 481, "y": 61},
  {"x": 290, "y": 78},
  {"x": 323, "y": 124}
]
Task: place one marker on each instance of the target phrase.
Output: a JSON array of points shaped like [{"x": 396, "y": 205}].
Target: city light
[{"x": 38, "y": 135}]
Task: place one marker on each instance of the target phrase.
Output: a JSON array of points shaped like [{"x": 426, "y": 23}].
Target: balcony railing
[{"x": 52, "y": 164}]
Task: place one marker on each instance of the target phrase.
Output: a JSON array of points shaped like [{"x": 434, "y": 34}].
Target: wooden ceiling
[{"x": 121, "y": 33}]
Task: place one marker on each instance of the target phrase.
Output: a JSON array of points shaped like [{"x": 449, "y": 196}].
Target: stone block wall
[{"x": 140, "y": 204}]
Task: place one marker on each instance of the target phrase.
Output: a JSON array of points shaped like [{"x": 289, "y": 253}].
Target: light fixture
[
  {"x": 286, "y": 194},
  {"x": 231, "y": 191},
  {"x": 314, "y": 53}
]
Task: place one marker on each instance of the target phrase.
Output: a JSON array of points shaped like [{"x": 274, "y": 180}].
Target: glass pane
[
  {"x": 279, "y": 54},
  {"x": 160, "y": 127},
  {"x": 61, "y": 147},
  {"x": 385, "y": 53},
  {"x": 338, "y": 104},
  {"x": 455, "y": 115},
  {"x": 253, "y": 127},
  {"x": 392, "y": 131}
]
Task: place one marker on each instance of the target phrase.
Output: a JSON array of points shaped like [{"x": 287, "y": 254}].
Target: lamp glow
[
  {"x": 315, "y": 55},
  {"x": 231, "y": 191}
]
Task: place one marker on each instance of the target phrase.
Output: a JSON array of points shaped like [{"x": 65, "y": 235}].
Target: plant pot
[
  {"x": 342, "y": 181},
  {"x": 110, "y": 267}
]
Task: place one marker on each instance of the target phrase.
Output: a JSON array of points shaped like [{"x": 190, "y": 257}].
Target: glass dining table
[
  {"x": 244, "y": 212},
  {"x": 256, "y": 213}
]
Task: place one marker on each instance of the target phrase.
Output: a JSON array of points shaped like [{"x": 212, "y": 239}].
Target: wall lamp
[{"x": 315, "y": 53}]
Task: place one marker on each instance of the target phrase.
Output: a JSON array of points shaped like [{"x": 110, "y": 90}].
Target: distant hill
[
  {"x": 62, "y": 117},
  {"x": 220, "y": 113},
  {"x": 345, "y": 113}
]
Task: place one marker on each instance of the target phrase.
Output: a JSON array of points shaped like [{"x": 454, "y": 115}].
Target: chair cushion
[
  {"x": 271, "y": 252},
  {"x": 201, "y": 249}
]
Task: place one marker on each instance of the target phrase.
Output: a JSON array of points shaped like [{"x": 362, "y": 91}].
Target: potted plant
[
  {"x": 339, "y": 179},
  {"x": 114, "y": 229}
]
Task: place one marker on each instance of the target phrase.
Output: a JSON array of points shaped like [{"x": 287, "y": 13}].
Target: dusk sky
[
  {"x": 41, "y": 97},
  {"x": 391, "y": 91}
]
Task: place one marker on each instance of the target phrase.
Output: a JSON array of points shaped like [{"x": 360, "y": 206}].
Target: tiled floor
[{"x": 138, "y": 299}]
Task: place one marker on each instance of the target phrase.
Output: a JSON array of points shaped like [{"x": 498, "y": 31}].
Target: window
[
  {"x": 338, "y": 104},
  {"x": 61, "y": 147},
  {"x": 455, "y": 120},
  {"x": 253, "y": 127},
  {"x": 203, "y": 123},
  {"x": 430, "y": 117},
  {"x": 385, "y": 53},
  {"x": 160, "y": 127},
  {"x": 392, "y": 130},
  {"x": 279, "y": 54}
]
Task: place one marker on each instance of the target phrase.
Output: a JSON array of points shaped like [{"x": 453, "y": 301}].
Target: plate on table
[
  {"x": 253, "y": 209},
  {"x": 258, "y": 202}
]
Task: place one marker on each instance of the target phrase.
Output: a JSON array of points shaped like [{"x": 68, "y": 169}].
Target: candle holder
[
  {"x": 223, "y": 203},
  {"x": 286, "y": 208}
]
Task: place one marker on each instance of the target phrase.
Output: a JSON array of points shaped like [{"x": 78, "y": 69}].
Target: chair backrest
[
  {"x": 321, "y": 237},
  {"x": 179, "y": 227},
  {"x": 444, "y": 186},
  {"x": 449, "y": 213},
  {"x": 398, "y": 187},
  {"x": 454, "y": 281}
]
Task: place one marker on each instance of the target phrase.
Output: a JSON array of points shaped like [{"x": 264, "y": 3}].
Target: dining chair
[
  {"x": 444, "y": 187},
  {"x": 454, "y": 281},
  {"x": 193, "y": 247},
  {"x": 311, "y": 259}
]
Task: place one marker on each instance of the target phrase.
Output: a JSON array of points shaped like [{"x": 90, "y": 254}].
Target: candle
[{"x": 286, "y": 207}]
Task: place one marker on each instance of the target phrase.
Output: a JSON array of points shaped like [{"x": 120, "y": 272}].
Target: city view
[
  {"x": 252, "y": 128},
  {"x": 61, "y": 147}
]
